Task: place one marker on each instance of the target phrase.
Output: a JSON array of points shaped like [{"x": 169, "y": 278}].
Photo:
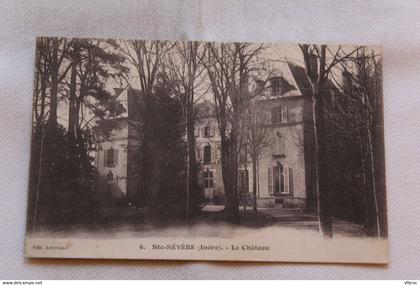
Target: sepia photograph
[{"x": 185, "y": 150}]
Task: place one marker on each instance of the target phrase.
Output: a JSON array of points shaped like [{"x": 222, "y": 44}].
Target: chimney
[
  {"x": 313, "y": 61},
  {"x": 347, "y": 81},
  {"x": 118, "y": 91}
]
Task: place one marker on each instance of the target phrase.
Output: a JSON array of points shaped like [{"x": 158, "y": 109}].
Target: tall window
[
  {"x": 243, "y": 158},
  {"x": 279, "y": 115},
  {"x": 218, "y": 153},
  {"x": 111, "y": 157},
  {"x": 197, "y": 153},
  {"x": 208, "y": 179},
  {"x": 110, "y": 182},
  {"x": 207, "y": 154},
  {"x": 280, "y": 179},
  {"x": 197, "y": 132},
  {"x": 243, "y": 181},
  {"x": 277, "y": 147},
  {"x": 295, "y": 115},
  {"x": 207, "y": 131}
]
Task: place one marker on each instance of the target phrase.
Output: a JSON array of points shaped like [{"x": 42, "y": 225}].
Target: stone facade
[
  {"x": 208, "y": 153},
  {"x": 111, "y": 162},
  {"x": 281, "y": 167},
  {"x": 281, "y": 170}
]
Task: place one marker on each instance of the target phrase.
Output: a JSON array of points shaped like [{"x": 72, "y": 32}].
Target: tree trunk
[
  {"x": 379, "y": 152},
  {"x": 229, "y": 175},
  {"x": 52, "y": 120},
  {"x": 44, "y": 83},
  {"x": 72, "y": 97},
  {"x": 234, "y": 179},
  {"x": 37, "y": 144},
  {"x": 323, "y": 200},
  {"x": 77, "y": 113},
  {"x": 309, "y": 155},
  {"x": 146, "y": 193},
  {"x": 373, "y": 179},
  {"x": 365, "y": 196},
  {"x": 38, "y": 187},
  {"x": 194, "y": 195},
  {"x": 254, "y": 184}
]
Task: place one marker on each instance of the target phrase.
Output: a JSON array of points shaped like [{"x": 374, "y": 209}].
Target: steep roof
[
  {"x": 282, "y": 70},
  {"x": 205, "y": 109},
  {"x": 301, "y": 80}
]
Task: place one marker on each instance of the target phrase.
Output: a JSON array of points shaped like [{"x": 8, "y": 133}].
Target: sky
[{"x": 271, "y": 52}]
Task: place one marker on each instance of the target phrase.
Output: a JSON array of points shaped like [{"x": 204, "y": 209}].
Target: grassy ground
[
  {"x": 110, "y": 220},
  {"x": 247, "y": 218}
]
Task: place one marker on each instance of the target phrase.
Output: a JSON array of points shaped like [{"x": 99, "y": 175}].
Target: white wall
[
  {"x": 294, "y": 159},
  {"x": 117, "y": 140}
]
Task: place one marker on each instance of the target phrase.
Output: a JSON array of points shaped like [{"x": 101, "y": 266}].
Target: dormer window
[
  {"x": 260, "y": 85},
  {"x": 115, "y": 108},
  {"x": 275, "y": 85}
]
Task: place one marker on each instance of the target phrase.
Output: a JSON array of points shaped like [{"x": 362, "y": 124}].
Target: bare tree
[
  {"x": 257, "y": 134},
  {"x": 147, "y": 58},
  {"x": 79, "y": 70},
  {"x": 228, "y": 69},
  {"x": 42, "y": 82},
  {"x": 185, "y": 70},
  {"x": 39, "y": 114},
  {"x": 59, "y": 69},
  {"x": 362, "y": 88},
  {"x": 319, "y": 62}
]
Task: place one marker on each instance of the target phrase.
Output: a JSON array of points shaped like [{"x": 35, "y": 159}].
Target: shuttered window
[
  {"x": 284, "y": 115},
  {"x": 270, "y": 181},
  {"x": 208, "y": 131},
  {"x": 280, "y": 179},
  {"x": 243, "y": 181},
  {"x": 213, "y": 155},
  {"x": 219, "y": 153},
  {"x": 111, "y": 157},
  {"x": 279, "y": 115},
  {"x": 207, "y": 154},
  {"x": 285, "y": 188},
  {"x": 290, "y": 180}
]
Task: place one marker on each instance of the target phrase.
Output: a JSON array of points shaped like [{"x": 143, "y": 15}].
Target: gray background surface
[{"x": 394, "y": 24}]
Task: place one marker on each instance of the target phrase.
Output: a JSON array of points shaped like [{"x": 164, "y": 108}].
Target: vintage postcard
[{"x": 207, "y": 151}]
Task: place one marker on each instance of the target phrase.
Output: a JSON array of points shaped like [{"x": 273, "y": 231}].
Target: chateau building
[{"x": 281, "y": 167}]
